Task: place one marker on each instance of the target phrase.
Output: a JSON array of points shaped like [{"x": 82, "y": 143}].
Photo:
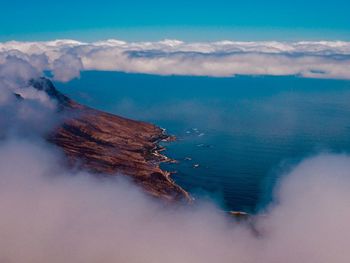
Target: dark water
[{"x": 241, "y": 132}]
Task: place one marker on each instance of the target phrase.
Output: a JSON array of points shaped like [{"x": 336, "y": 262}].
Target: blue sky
[{"x": 154, "y": 20}]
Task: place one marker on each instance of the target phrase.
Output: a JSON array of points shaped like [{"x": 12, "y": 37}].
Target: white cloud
[
  {"x": 324, "y": 59},
  {"x": 66, "y": 67},
  {"x": 35, "y": 114}
]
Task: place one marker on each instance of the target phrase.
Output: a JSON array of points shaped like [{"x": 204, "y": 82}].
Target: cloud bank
[{"x": 66, "y": 58}]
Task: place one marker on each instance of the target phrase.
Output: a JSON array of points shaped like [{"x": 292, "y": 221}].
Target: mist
[{"x": 49, "y": 214}]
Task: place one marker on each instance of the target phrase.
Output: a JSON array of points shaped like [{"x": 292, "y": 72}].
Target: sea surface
[{"x": 237, "y": 135}]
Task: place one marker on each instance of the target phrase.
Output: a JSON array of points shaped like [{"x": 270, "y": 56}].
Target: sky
[{"x": 204, "y": 20}]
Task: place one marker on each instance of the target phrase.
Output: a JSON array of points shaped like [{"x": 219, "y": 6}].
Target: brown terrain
[{"x": 111, "y": 145}]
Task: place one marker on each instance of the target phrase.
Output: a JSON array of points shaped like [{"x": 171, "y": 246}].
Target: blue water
[{"x": 241, "y": 132}]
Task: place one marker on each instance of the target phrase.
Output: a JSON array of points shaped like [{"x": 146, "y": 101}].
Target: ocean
[{"x": 236, "y": 136}]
